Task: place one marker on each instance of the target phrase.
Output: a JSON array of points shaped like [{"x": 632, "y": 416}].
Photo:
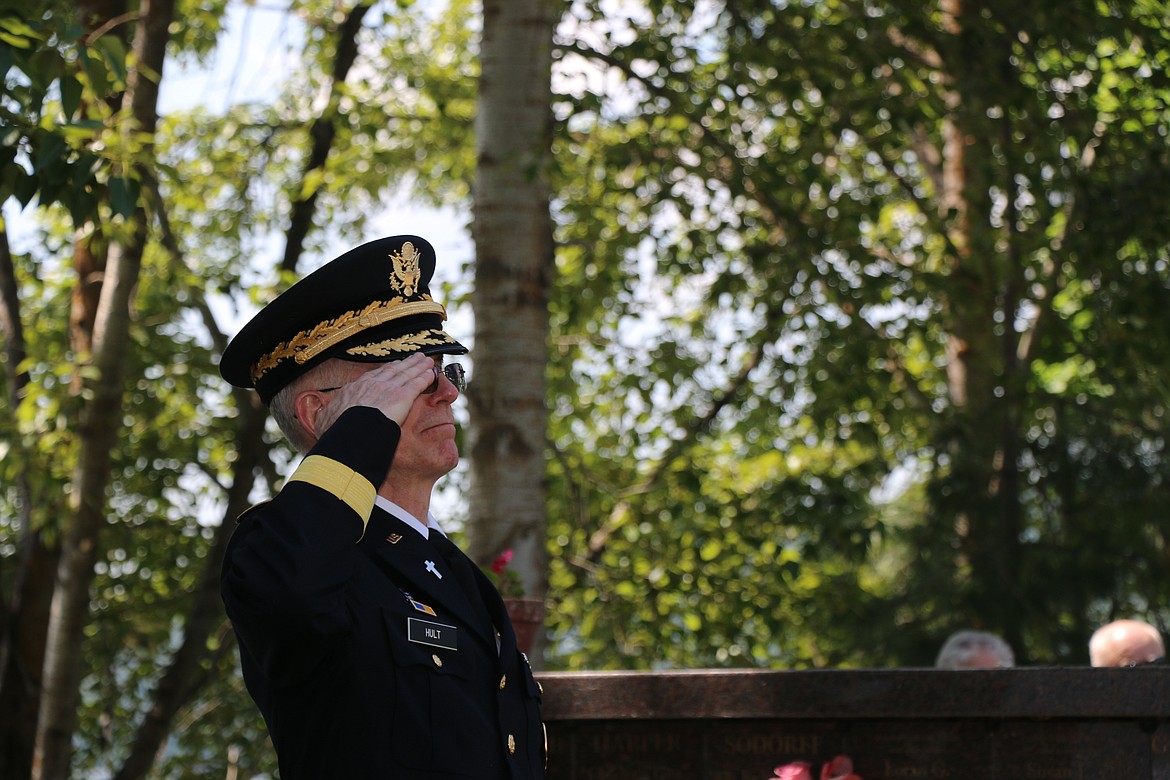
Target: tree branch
[{"x": 322, "y": 132}]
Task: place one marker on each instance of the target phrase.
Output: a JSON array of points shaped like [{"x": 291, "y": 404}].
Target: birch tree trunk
[
  {"x": 514, "y": 260},
  {"x": 100, "y": 422}
]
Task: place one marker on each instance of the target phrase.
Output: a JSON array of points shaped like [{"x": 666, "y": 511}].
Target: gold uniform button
[
  {"x": 503, "y": 682},
  {"x": 511, "y": 745},
  {"x": 438, "y": 661}
]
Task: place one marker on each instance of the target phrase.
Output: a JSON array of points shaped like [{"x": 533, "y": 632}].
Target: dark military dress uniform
[
  {"x": 372, "y": 651},
  {"x": 365, "y": 651}
]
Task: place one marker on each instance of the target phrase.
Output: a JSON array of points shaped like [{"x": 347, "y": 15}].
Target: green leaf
[
  {"x": 113, "y": 54},
  {"x": 124, "y": 191},
  {"x": 70, "y": 96},
  {"x": 24, "y": 188}
]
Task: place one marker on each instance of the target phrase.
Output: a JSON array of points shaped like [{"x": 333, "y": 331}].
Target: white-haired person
[{"x": 975, "y": 650}]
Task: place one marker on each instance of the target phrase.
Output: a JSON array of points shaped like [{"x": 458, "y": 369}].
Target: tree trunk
[
  {"x": 24, "y": 610},
  {"x": 24, "y": 654},
  {"x": 100, "y": 421},
  {"x": 514, "y": 260},
  {"x": 981, "y": 363}
]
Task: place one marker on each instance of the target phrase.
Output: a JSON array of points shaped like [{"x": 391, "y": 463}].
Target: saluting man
[{"x": 372, "y": 645}]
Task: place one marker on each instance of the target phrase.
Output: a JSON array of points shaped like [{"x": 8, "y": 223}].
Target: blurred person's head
[
  {"x": 974, "y": 650},
  {"x": 1125, "y": 643}
]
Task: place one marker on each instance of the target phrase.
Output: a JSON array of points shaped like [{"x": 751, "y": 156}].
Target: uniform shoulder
[{"x": 251, "y": 510}]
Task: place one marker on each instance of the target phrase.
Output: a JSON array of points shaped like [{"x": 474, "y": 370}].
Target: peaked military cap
[{"x": 372, "y": 305}]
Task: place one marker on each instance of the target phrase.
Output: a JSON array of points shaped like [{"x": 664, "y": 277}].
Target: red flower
[
  {"x": 797, "y": 770},
  {"x": 840, "y": 768},
  {"x": 501, "y": 562}
]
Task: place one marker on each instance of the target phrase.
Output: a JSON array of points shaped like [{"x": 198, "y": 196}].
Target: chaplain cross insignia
[{"x": 431, "y": 568}]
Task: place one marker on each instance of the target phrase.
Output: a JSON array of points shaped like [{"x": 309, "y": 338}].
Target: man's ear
[{"x": 307, "y": 405}]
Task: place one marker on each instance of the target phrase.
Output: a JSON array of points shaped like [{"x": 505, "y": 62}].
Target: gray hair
[
  {"x": 331, "y": 373},
  {"x": 974, "y": 650}
]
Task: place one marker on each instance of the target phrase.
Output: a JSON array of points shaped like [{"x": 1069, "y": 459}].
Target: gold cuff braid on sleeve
[{"x": 340, "y": 480}]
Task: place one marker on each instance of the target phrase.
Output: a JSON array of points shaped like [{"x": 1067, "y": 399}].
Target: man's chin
[{"x": 450, "y": 454}]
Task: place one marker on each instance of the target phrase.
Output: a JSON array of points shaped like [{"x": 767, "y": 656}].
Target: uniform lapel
[
  {"x": 419, "y": 569},
  {"x": 499, "y": 614}
]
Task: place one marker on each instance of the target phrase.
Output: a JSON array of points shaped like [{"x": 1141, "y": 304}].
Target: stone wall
[{"x": 1033, "y": 723}]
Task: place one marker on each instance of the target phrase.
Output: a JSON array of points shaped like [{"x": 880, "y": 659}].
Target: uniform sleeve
[{"x": 286, "y": 571}]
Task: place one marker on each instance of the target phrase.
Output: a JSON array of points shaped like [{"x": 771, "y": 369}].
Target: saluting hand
[{"x": 391, "y": 388}]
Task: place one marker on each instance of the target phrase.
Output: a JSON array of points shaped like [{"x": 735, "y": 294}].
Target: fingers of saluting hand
[
  {"x": 394, "y": 386},
  {"x": 391, "y": 388}
]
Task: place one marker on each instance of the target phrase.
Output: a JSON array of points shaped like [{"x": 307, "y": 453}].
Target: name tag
[{"x": 425, "y": 632}]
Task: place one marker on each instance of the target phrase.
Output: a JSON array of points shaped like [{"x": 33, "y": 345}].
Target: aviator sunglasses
[{"x": 454, "y": 372}]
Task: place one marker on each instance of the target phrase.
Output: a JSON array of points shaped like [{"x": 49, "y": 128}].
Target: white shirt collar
[{"x": 408, "y": 518}]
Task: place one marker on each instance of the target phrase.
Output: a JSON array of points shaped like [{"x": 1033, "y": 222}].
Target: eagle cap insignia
[{"x": 405, "y": 274}]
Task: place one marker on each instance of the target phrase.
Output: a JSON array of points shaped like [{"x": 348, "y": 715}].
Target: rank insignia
[{"x": 394, "y": 538}]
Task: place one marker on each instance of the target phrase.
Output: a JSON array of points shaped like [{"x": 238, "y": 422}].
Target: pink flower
[
  {"x": 797, "y": 770},
  {"x": 840, "y": 768},
  {"x": 501, "y": 562}
]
